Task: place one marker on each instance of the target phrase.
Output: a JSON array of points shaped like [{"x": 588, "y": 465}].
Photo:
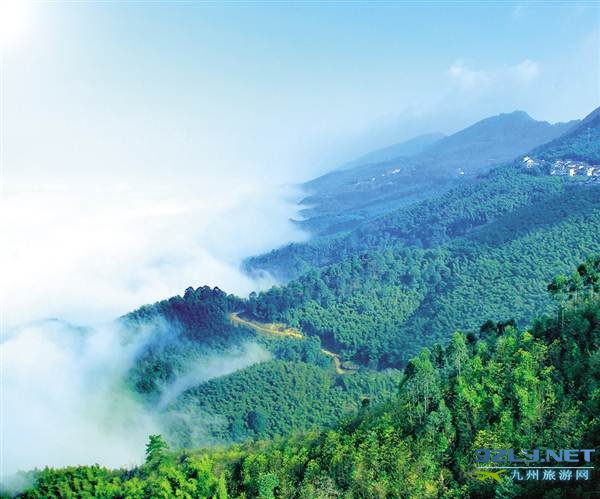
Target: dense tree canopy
[
  {"x": 379, "y": 307},
  {"x": 499, "y": 388}
]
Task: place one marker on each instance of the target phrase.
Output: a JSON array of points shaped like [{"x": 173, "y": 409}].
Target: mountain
[
  {"x": 290, "y": 383},
  {"x": 419, "y": 223},
  {"x": 402, "y": 280},
  {"x": 341, "y": 200},
  {"x": 357, "y": 306},
  {"x": 410, "y": 147},
  {"x": 497, "y": 388},
  {"x": 489, "y": 142},
  {"x": 374, "y": 297},
  {"x": 382, "y": 298},
  {"x": 581, "y": 142},
  {"x": 272, "y": 399}
]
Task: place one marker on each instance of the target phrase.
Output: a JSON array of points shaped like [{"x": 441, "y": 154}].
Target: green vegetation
[
  {"x": 388, "y": 293},
  {"x": 378, "y": 307},
  {"x": 299, "y": 390},
  {"x": 498, "y": 388},
  {"x": 182, "y": 329},
  {"x": 444, "y": 217},
  {"x": 581, "y": 143},
  {"x": 200, "y": 315},
  {"x": 345, "y": 198},
  {"x": 402, "y": 281},
  {"x": 424, "y": 225},
  {"x": 272, "y": 399}
]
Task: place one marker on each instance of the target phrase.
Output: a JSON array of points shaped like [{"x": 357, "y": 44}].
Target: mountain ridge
[
  {"x": 341, "y": 199},
  {"x": 409, "y": 147}
]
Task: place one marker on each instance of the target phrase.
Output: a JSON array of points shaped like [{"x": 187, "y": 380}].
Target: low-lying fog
[
  {"x": 65, "y": 398},
  {"x": 83, "y": 258}
]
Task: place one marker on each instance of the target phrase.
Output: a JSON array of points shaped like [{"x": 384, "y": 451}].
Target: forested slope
[
  {"x": 426, "y": 224},
  {"x": 502, "y": 388},
  {"x": 343, "y": 199},
  {"x": 377, "y": 294},
  {"x": 379, "y": 306},
  {"x": 405, "y": 279},
  {"x": 291, "y": 386},
  {"x": 582, "y": 142},
  {"x": 272, "y": 399},
  {"x": 437, "y": 220}
]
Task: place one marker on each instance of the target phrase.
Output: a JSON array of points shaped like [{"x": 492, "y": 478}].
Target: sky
[
  {"x": 171, "y": 88},
  {"x": 148, "y": 146}
]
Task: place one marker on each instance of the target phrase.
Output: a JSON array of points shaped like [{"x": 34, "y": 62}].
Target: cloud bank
[
  {"x": 65, "y": 401},
  {"x": 91, "y": 255},
  {"x": 88, "y": 254},
  {"x": 470, "y": 79}
]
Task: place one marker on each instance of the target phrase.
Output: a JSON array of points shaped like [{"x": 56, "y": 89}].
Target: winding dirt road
[{"x": 282, "y": 330}]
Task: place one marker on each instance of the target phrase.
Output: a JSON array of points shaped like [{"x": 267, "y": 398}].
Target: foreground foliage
[
  {"x": 272, "y": 399},
  {"x": 499, "y": 388}
]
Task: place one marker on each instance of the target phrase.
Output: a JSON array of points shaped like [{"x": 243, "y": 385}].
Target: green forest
[
  {"x": 500, "y": 387},
  {"x": 492, "y": 255},
  {"x": 293, "y": 396}
]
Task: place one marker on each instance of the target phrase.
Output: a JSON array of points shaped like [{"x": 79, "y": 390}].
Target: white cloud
[
  {"x": 89, "y": 254},
  {"x": 92, "y": 255},
  {"x": 213, "y": 366},
  {"x": 466, "y": 78},
  {"x": 524, "y": 72},
  {"x": 64, "y": 400}
]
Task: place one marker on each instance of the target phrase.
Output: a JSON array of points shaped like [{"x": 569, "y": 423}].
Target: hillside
[
  {"x": 209, "y": 379},
  {"x": 491, "y": 141},
  {"x": 501, "y": 388},
  {"x": 403, "y": 280},
  {"x": 408, "y": 148},
  {"x": 582, "y": 142},
  {"x": 272, "y": 399},
  {"x": 438, "y": 219},
  {"x": 407, "y": 281},
  {"x": 372, "y": 298},
  {"x": 378, "y": 307},
  {"x": 340, "y": 200}
]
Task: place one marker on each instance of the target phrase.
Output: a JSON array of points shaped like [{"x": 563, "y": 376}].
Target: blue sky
[
  {"x": 292, "y": 87},
  {"x": 146, "y": 142}
]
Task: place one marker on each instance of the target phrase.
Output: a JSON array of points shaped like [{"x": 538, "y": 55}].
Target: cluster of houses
[{"x": 563, "y": 167}]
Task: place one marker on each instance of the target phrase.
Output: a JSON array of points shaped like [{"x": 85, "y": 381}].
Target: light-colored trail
[{"x": 282, "y": 330}]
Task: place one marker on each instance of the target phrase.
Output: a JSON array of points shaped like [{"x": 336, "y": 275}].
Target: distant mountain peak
[
  {"x": 514, "y": 118},
  {"x": 515, "y": 114},
  {"x": 502, "y": 135},
  {"x": 519, "y": 112}
]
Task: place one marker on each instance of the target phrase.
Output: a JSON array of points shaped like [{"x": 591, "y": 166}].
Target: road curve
[{"x": 281, "y": 330}]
